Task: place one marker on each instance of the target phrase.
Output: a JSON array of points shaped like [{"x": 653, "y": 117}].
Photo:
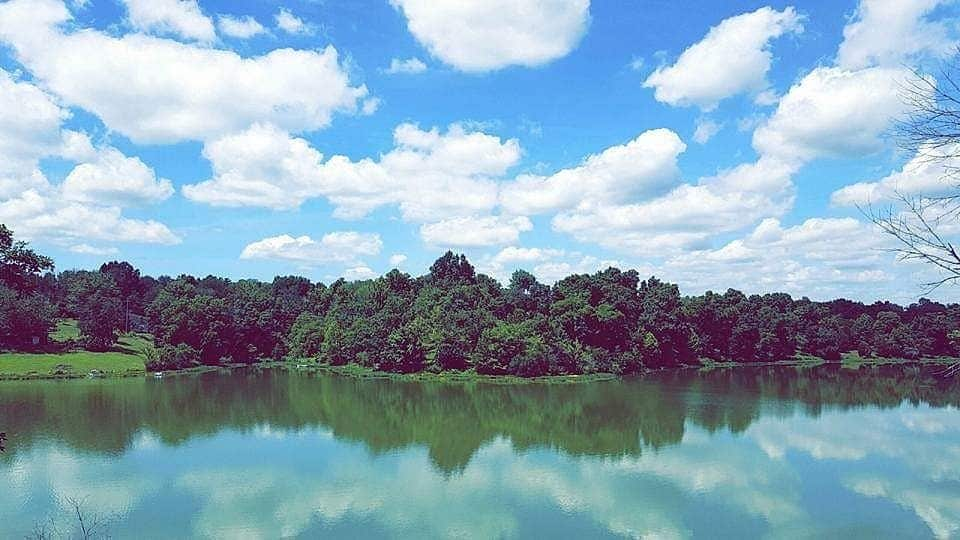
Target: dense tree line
[{"x": 453, "y": 318}]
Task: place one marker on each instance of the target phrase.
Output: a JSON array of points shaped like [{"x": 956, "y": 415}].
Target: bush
[{"x": 167, "y": 357}]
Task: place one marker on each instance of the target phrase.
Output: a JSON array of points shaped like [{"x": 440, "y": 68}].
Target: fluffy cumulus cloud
[
  {"x": 181, "y": 18},
  {"x": 643, "y": 166},
  {"x": 626, "y": 198},
  {"x": 260, "y": 166},
  {"x": 37, "y": 214},
  {"x": 239, "y": 27},
  {"x": 921, "y": 176},
  {"x": 484, "y": 35},
  {"x": 430, "y": 175},
  {"x": 113, "y": 178},
  {"x": 193, "y": 92},
  {"x": 887, "y": 32},
  {"x": 346, "y": 247},
  {"x": 734, "y": 57},
  {"x": 475, "y": 231},
  {"x": 833, "y": 112},
  {"x": 29, "y": 130},
  {"x": 686, "y": 218},
  {"x": 408, "y": 66},
  {"x": 87, "y": 206}
]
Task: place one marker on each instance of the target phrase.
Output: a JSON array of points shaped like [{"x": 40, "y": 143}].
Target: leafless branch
[{"x": 917, "y": 223}]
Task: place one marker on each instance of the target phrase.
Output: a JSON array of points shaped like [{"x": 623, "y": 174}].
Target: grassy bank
[
  {"x": 124, "y": 360},
  {"x": 68, "y": 365}
]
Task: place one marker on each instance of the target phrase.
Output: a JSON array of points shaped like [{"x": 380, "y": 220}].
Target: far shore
[{"x": 87, "y": 365}]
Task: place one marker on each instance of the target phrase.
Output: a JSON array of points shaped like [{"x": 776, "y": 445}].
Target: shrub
[{"x": 167, "y": 357}]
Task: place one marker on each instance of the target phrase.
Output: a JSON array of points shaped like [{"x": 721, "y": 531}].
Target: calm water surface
[{"x": 765, "y": 453}]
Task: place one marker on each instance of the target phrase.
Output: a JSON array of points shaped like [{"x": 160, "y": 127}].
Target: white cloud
[
  {"x": 159, "y": 91},
  {"x": 429, "y": 174},
  {"x": 706, "y": 129},
  {"x": 87, "y": 249},
  {"x": 813, "y": 258},
  {"x": 833, "y": 112},
  {"x": 410, "y": 65},
  {"x": 622, "y": 198},
  {"x": 397, "y": 259},
  {"x": 766, "y": 98},
  {"x": 239, "y": 27},
  {"x": 29, "y": 129},
  {"x": 475, "y": 231},
  {"x": 922, "y": 175},
  {"x": 685, "y": 218},
  {"x": 290, "y": 23},
  {"x": 346, "y": 247},
  {"x": 115, "y": 179},
  {"x": 33, "y": 214},
  {"x": 359, "y": 273},
  {"x": 484, "y": 35},
  {"x": 182, "y": 18},
  {"x": 370, "y": 106},
  {"x": 733, "y": 58},
  {"x": 76, "y": 146},
  {"x": 555, "y": 270},
  {"x": 887, "y": 32},
  {"x": 261, "y": 166},
  {"x": 547, "y": 264},
  {"x": 83, "y": 209},
  {"x": 515, "y": 254},
  {"x": 643, "y": 166}
]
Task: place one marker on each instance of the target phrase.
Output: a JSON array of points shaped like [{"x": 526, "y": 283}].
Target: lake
[{"x": 741, "y": 453}]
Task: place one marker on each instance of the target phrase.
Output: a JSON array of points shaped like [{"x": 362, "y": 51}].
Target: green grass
[
  {"x": 66, "y": 330},
  {"x": 125, "y": 359},
  {"x": 71, "y": 364}
]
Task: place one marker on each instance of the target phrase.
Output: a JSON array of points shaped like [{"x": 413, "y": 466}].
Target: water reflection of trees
[{"x": 451, "y": 420}]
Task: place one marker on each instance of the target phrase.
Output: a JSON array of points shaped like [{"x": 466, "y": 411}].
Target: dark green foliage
[
  {"x": 25, "y": 319},
  {"x": 180, "y": 356},
  {"x": 26, "y": 314},
  {"x": 184, "y": 312},
  {"x": 20, "y": 266},
  {"x": 453, "y": 318},
  {"x": 306, "y": 336},
  {"x": 95, "y": 300}
]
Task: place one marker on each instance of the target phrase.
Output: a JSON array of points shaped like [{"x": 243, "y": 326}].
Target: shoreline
[{"x": 361, "y": 372}]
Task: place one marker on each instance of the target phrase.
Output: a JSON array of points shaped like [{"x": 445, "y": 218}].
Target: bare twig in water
[{"x": 83, "y": 525}]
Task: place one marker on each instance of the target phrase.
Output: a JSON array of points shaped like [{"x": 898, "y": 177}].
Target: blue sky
[{"x": 720, "y": 144}]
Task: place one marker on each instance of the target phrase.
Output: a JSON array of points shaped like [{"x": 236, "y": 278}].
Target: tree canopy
[{"x": 454, "y": 318}]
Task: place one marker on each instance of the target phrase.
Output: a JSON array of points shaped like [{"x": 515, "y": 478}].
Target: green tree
[
  {"x": 96, "y": 301},
  {"x": 20, "y": 266},
  {"x": 26, "y": 315}
]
